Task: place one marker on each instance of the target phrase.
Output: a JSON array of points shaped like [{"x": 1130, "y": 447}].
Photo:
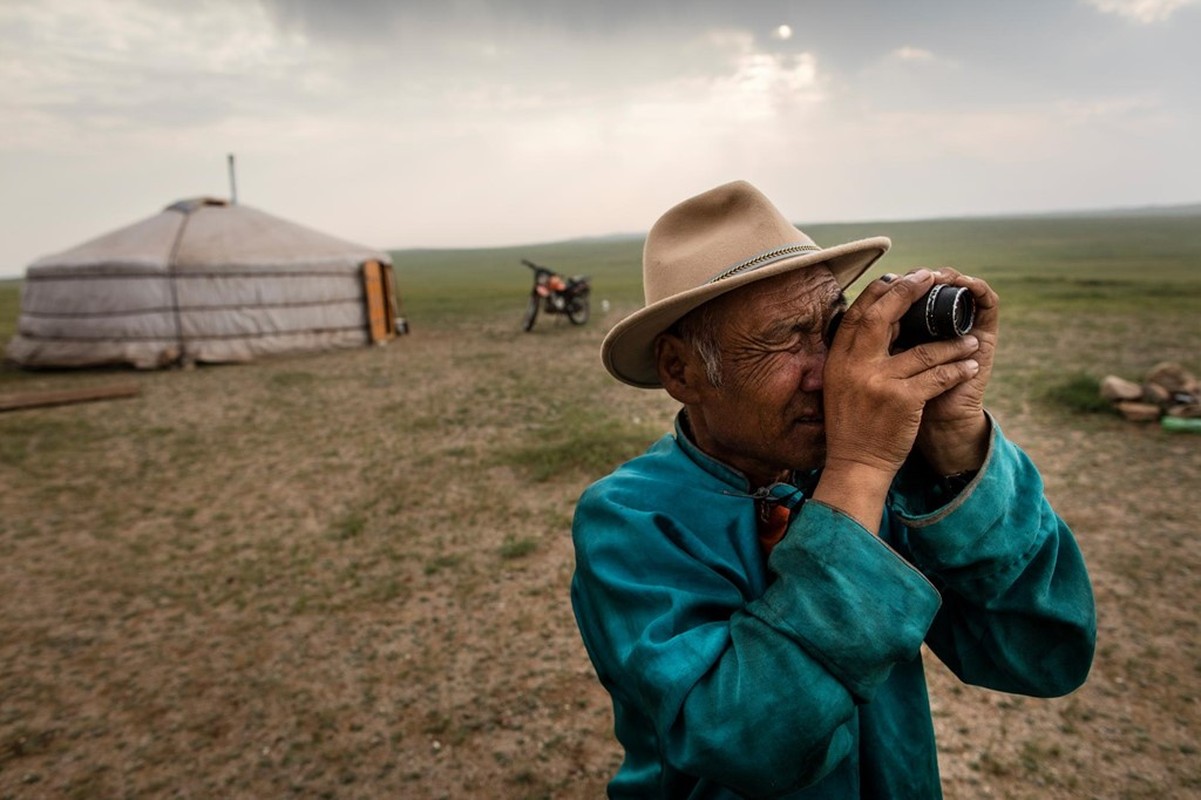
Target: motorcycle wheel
[
  {"x": 578, "y": 311},
  {"x": 531, "y": 314}
]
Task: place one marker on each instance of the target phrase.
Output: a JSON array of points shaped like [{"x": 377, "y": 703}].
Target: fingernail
[
  {"x": 973, "y": 366},
  {"x": 971, "y": 341},
  {"x": 888, "y": 277},
  {"x": 917, "y": 276}
]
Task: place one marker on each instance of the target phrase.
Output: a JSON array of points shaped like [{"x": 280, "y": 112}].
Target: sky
[{"x": 475, "y": 123}]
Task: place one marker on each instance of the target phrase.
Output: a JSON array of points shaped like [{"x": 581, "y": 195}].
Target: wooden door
[
  {"x": 381, "y": 322},
  {"x": 391, "y": 308}
]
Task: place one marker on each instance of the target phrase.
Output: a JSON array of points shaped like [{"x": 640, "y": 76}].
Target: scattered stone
[
  {"x": 1168, "y": 391},
  {"x": 1138, "y": 412},
  {"x": 1115, "y": 388},
  {"x": 1153, "y": 393},
  {"x": 1172, "y": 377}
]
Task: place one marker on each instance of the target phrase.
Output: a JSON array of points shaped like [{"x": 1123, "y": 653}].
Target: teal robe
[{"x": 800, "y": 675}]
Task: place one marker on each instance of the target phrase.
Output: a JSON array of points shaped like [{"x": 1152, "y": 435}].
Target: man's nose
[{"x": 812, "y": 381}]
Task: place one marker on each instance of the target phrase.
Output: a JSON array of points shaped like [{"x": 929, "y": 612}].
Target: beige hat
[{"x": 709, "y": 245}]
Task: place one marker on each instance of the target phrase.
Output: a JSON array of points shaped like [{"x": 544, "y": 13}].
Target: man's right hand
[{"x": 873, "y": 399}]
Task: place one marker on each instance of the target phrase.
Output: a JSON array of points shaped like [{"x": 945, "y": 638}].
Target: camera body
[{"x": 945, "y": 312}]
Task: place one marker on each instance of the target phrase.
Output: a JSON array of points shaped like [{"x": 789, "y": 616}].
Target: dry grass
[
  {"x": 346, "y": 575},
  {"x": 341, "y": 575}
]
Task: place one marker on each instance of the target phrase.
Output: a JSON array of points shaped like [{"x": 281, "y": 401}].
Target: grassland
[{"x": 345, "y": 574}]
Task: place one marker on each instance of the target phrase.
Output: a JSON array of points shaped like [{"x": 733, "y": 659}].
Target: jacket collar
[{"x": 724, "y": 472}]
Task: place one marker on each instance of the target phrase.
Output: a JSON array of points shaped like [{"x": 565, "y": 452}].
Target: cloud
[
  {"x": 357, "y": 21},
  {"x": 88, "y": 72},
  {"x": 763, "y": 84},
  {"x": 913, "y": 54},
  {"x": 386, "y": 122},
  {"x": 1141, "y": 11}
]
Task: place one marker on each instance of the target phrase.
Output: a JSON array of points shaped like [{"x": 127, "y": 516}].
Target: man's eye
[{"x": 832, "y": 328}]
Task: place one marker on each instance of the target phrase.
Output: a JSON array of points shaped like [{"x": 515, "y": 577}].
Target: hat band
[{"x": 763, "y": 259}]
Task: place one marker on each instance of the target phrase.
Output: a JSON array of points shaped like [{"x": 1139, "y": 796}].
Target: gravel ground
[{"x": 341, "y": 576}]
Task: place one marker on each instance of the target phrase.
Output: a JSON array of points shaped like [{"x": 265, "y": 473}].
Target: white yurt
[{"x": 202, "y": 281}]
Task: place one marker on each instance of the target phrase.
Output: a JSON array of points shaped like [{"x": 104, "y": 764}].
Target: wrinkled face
[{"x": 766, "y": 416}]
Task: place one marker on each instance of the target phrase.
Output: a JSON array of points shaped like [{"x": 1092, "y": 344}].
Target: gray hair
[{"x": 698, "y": 329}]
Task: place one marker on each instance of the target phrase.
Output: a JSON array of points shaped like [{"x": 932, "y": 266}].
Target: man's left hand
[{"x": 954, "y": 432}]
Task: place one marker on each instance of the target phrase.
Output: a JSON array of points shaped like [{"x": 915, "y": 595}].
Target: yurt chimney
[{"x": 233, "y": 182}]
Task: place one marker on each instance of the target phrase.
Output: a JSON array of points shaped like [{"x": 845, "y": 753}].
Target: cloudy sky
[{"x": 484, "y": 122}]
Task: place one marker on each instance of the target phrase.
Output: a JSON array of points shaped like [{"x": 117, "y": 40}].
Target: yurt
[{"x": 202, "y": 281}]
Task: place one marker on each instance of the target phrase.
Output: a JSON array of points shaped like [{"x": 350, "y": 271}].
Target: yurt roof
[{"x": 209, "y": 234}]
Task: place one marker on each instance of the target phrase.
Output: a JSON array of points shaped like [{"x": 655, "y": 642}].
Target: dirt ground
[{"x": 338, "y": 576}]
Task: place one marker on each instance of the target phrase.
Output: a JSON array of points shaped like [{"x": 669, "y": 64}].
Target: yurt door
[{"x": 381, "y": 315}]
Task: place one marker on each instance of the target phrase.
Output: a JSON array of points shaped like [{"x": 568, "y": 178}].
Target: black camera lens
[{"x": 944, "y": 313}]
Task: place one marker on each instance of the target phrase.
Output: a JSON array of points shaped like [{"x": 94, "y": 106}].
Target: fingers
[
  {"x": 981, "y": 291},
  {"x": 935, "y": 381},
  {"x": 930, "y": 370},
  {"x": 916, "y": 360},
  {"x": 901, "y": 290},
  {"x": 883, "y": 302},
  {"x": 986, "y": 299}
]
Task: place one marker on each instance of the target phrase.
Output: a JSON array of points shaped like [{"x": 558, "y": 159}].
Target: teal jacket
[{"x": 800, "y": 676}]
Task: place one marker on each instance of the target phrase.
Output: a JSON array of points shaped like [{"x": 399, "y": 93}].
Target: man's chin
[{"x": 812, "y": 454}]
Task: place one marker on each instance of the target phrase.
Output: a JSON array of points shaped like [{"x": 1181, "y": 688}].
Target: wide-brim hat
[{"x": 706, "y": 246}]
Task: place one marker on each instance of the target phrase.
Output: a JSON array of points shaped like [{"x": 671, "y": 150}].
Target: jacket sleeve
[
  {"x": 1018, "y": 613},
  {"x": 756, "y": 694}
]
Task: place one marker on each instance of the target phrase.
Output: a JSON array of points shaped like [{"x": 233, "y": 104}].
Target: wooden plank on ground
[{"x": 87, "y": 394}]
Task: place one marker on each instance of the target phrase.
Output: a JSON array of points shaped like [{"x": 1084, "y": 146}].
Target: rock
[
  {"x": 1138, "y": 412},
  {"x": 1115, "y": 388},
  {"x": 1169, "y": 392},
  {"x": 1154, "y": 393},
  {"x": 1172, "y": 377}
]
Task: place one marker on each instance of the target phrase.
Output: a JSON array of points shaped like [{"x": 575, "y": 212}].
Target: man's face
[{"x": 766, "y": 416}]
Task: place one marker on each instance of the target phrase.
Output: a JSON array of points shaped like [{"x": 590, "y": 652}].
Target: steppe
[{"x": 346, "y": 574}]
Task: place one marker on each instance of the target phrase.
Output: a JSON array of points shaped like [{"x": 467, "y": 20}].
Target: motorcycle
[{"x": 555, "y": 294}]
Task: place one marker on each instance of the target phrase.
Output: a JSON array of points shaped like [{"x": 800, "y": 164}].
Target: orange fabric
[{"x": 773, "y": 523}]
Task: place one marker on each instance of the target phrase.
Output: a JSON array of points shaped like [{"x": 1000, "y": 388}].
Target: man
[{"x": 754, "y": 590}]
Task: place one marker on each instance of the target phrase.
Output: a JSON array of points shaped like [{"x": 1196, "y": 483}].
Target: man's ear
[{"x": 679, "y": 367}]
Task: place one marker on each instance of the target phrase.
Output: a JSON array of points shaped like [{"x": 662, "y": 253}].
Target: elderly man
[{"x": 754, "y": 590}]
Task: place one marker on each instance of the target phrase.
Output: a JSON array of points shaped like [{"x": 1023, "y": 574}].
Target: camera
[{"x": 945, "y": 312}]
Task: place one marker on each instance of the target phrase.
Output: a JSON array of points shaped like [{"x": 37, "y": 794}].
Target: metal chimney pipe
[{"x": 233, "y": 182}]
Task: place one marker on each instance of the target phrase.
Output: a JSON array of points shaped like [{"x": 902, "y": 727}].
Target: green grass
[
  {"x": 1069, "y": 265},
  {"x": 454, "y": 286},
  {"x": 1078, "y": 393},
  {"x": 292, "y": 379},
  {"x": 1098, "y": 265},
  {"x": 1072, "y": 265},
  {"x": 10, "y": 302},
  {"x": 514, "y": 547},
  {"x": 298, "y": 573},
  {"x": 577, "y": 440}
]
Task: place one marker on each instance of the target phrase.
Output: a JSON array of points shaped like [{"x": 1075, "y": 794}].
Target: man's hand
[
  {"x": 954, "y": 431},
  {"x": 874, "y": 398}
]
